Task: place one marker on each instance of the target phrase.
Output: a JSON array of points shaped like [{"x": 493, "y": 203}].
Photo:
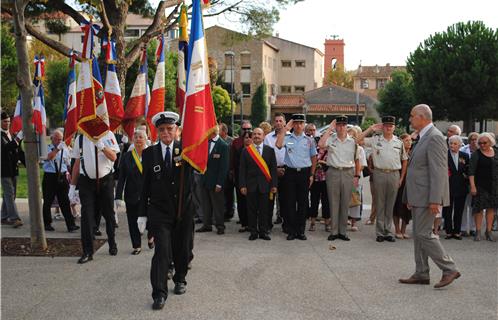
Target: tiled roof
[
  {"x": 335, "y": 108},
  {"x": 284, "y": 100},
  {"x": 377, "y": 71}
]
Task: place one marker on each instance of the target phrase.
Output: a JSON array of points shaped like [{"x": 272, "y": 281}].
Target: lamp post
[
  {"x": 241, "y": 106},
  {"x": 357, "y": 108},
  {"x": 232, "y": 74}
]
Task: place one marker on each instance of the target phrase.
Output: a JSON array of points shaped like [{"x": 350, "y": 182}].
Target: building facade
[{"x": 370, "y": 79}]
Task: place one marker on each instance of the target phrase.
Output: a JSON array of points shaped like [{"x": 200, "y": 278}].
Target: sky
[{"x": 375, "y": 32}]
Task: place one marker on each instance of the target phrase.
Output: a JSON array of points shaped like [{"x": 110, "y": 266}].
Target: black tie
[{"x": 167, "y": 158}]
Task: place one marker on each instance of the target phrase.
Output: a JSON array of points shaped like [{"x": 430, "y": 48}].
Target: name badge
[
  {"x": 157, "y": 168},
  {"x": 216, "y": 156}
]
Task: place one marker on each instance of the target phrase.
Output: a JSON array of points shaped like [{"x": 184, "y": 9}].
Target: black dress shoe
[
  {"x": 301, "y": 236},
  {"x": 180, "y": 288},
  {"x": 244, "y": 229},
  {"x": 379, "y": 239},
  {"x": 97, "y": 232},
  {"x": 343, "y": 237},
  {"x": 49, "y": 227},
  {"x": 73, "y": 228},
  {"x": 332, "y": 237},
  {"x": 457, "y": 237},
  {"x": 278, "y": 220},
  {"x": 390, "y": 239},
  {"x": 291, "y": 236},
  {"x": 253, "y": 236},
  {"x": 85, "y": 258},
  {"x": 448, "y": 236},
  {"x": 197, "y": 221},
  {"x": 264, "y": 236},
  {"x": 113, "y": 250},
  {"x": 204, "y": 229},
  {"x": 220, "y": 231},
  {"x": 158, "y": 303}
]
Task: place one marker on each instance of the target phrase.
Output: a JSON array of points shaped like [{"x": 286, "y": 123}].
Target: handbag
[{"x": 355, "y": 198}]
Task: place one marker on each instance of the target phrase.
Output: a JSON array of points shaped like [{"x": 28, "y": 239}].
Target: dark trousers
[
  {"x": 213, "y": 204},
  {"x": 242, "y": 208},
  {"x": 257, "y": 212},
  {"x": 182, "y": 240},
  {"x": 318, "y": 191},
  {"x": 453, "y": 215},
  {"x": 53, "y": 185},
  {"x": 132, "y": 215},
  {"x": 161, "y": 260},
  {"x": 296, "y": 191},
  {"x": 282, "y": 200},
  {"x": 93, "y": 198},
  {"x": 229, "y": 198}
]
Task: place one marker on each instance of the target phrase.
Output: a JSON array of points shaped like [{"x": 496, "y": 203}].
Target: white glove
[
  {"x": 61, "y": 146},
  {"x": 124, "y": 139},
  {"x": 100, "y": 145},
  {"x": 119, "y": 203},
  {"x": 20, "y": 135},
  {"x": 72, "y": 193},
  {"x": 142, "y": 222}
]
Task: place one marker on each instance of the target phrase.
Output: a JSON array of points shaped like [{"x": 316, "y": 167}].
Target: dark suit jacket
[
  {"x": 251, "y": 176},
  {"x": 459, "y": 183},
  {"x": 11, "y": 154},
  {"x": 217, "y": 166},
  {"x": 130, "y": 179},
  {"x": 160, "y": 192}
]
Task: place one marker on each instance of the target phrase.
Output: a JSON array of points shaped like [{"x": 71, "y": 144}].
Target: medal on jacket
[{"x": 177, "y": 151}]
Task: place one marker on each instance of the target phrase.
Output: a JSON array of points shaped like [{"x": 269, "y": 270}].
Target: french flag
[
  {"x": 112, "y": 90},
  {"x": 181, "y": 81},
  {"x": 198, "y": 117},
  {"x": 70, "y": 115},
  {"x": 16, "y": 124},
  {"x": 156, "y": 104},
  {"x": 39, "y": 114},
  {"x": 140, "y": 97},
  {"x": 93, "y": 119}
]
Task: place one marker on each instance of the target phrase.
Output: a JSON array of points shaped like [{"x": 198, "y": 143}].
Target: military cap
[
  {"x": 341, "y": 119},
  {"x": 388, "y": 120},
  {"x": 298, "y": 117},
  {"x": 165, "y": 117}
]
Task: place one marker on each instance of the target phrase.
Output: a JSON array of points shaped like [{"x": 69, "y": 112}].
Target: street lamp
[
  {"x": 357, "y": 108},
  {"x": 232, "y": 72}
]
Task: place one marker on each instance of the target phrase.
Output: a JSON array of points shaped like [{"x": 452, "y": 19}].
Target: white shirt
[
  {"x": 163, "y": 149},
  {"x": 7, "y": 132},
  {"x": 424, "y": 130},
  {"x": 455, "y": 158},
  {"x": 105, "y": 165},
  {"x": 270, "y": 140},
  {"x": 341, "y": 154},
  {"x": 387, "y": 154},
  {"x": 211, "y": 145}
]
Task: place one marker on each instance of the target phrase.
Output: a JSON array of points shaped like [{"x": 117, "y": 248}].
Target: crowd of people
[{"x": 284, "y": 174}]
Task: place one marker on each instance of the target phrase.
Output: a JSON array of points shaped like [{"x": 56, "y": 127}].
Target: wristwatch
[{"x": 356, "y": 176}]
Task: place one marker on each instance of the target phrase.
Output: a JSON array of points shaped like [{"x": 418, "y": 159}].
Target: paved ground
[{"x": 233, "y": 278}]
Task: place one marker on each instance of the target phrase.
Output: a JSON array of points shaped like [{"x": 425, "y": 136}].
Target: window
[
  {"x": 132, "y": 33},
  {"x": 300, "y": 64},
  {"x": 246, "y": 90},
  {"x": 82, "y": 39},
  {"x": 229, "y": 60},
  {"x": 364, "y": 83},
  {"x": 245, "y": 61},
  {"x": 298, "y": 89},
  {"x": 285, "y": 89},
  {"x": 380, "y": 83},
  {"x": 286, "y": 64}
]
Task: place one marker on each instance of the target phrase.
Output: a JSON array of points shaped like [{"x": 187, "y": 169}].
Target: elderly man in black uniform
[{"x": 159, "y": 206}]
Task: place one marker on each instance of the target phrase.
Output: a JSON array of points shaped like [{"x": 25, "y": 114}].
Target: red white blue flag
[
  {"x": 16, "y": 124},
  {"x": 39, "y": 114},
  {"x": 70, "y": 116},
  {"x": 112, "y": 90},
  {"x": 181, "y": 80},
  {"x": 157, "y": 96}
]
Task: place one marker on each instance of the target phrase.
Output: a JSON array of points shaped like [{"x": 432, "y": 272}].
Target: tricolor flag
[
  {"x": 16, "y": 123},
  {"x": 198, "y": 117},
  {"x": 156, "y": 104},
  {"x": 70, "y": 116},
  {"x": 39, "y": 114},
  {"x": 139, "y": 99},
  {"x": 181, "y": 80},
  {"x": 112, "y": 90},
  {"x": 93, "y": 119}
]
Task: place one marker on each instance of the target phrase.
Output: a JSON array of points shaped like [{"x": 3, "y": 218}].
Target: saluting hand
[
  {"x": 332, "y": 126},
  {"x": 289, "y": 124},
  {"x": 376, "y": 127}
]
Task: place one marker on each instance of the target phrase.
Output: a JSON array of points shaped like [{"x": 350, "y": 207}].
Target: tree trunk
[
  {"x": 117, "y": 18},
  {"x": 38, "y": 241},
  {"x": 469, "y": 123}
]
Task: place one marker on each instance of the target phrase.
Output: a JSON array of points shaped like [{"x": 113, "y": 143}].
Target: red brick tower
[{"x": 334, "y": 51}]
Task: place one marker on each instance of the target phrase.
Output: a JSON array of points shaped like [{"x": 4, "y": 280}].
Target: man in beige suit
[{"x": 426, "y": 192}]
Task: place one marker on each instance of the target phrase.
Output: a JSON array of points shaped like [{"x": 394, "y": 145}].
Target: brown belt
[
  {"x": 341, "y": 168},
  {"x": 386, "y": 170}
]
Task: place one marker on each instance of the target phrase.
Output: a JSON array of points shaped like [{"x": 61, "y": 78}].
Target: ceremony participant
[
  {"x": 458, "y": 168},
  {"x": 159, "y": 206},
  {"x": 318, "y": 192},
  {"x": 266, "y": 128},
  {"x": 468, "y": 225},
  {"x": 389, "y": 158},
  {"x": 11, "y": 154},
  {"x": 213, "y": 181},
  {"x": 401, "y": 213},
  {"x": 93, "y": 172},
  {"x": 354, "y": 212},
  {"x": 343, "y": 173},
  {"x": 131, "y": 181},
  {"x": 242, "y": 198},
  {"x": 257, "y": 180},
  {"x": 300, "y": 165},
  {"x": 270, "y": 139},
  {"x": 483, "y": 176},
  {"x": 229, "y": 183},
  {"x": 55, "y": 182},
  {"x": 426, "y": 192}
]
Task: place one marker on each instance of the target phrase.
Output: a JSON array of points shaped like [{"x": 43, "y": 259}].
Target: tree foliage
[
  {"x": 259, "y": 104},
  {"x": 340, "y": 78},
  {"x": 397, "y": 98},
  {"x": 221, "y": 101},
  {"x": 456, "y": 72},
  {"x": 9, "y": 69},
  {"x": 55, "y": 84}
]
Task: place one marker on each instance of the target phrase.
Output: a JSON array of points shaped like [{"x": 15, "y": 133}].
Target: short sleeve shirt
[
  {"x": 105, "y": 165},
  {"x": 386, "y": 154},
  {"x": 270, "y": 140},
  {"x": 341, "y": 154},
  {"x": 299, "y": 150},
  {"x": 61, "y": 160}
]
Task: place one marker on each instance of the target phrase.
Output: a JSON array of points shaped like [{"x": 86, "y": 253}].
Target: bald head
[
  {"x": 420, "y": 116},
  {"x": 258, "y": 136}
]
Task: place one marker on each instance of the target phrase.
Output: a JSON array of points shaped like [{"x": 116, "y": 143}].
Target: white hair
[
  {"x": 424, "y": 111},
  {"x": 140, "y": 132},
  {"x": 456, "y": 128},
  {"x": 456, "y": 138},
  {"x": 489, "y": 136}
]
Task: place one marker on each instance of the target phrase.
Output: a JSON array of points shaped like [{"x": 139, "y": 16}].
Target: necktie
[
  {"x": 167, "y": 158},
  {"x": 259, "y": 149}
]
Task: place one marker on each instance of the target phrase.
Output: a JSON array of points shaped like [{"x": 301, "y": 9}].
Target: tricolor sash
[
  {"x": 259, "y": 161},
  {"x": 134, "y": 153}
]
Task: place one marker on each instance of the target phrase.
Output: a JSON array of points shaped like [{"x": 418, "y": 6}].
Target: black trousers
[
  {"x": 257, "y": 212},
  {"x": 132, "y": 215},
  {"x": 53, "y": 185},
  {"x": 453, "y": 215},
  {"x": 93, "y": 198},
  {"x": 182, "y": 241},
  {"x": 318, "y": 192},
  {"x": 242, "y": 208},
  {"x": 296, "y": 191},
  {"x": 161, "y": 260},
  {"x": 282, "y": 200},
  {"x": 229, "y": 198}
]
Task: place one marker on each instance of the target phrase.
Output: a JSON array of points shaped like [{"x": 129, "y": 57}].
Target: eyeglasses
[{"x": 482, "y": 142}]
